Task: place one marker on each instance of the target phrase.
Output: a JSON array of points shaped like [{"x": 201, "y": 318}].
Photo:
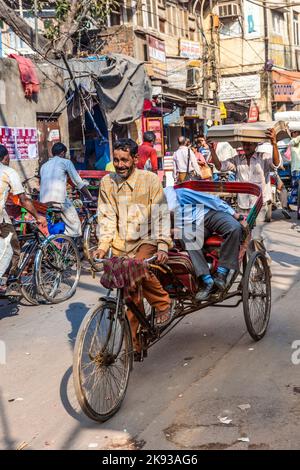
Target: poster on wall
[
  {"x": 253, "y": 20},
  {"x": 155, "y": 124},
  {"x": 21, "y": 142}
]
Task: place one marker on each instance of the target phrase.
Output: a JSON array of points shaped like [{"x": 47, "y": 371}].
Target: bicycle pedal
[{"x": 13, "y": 290}]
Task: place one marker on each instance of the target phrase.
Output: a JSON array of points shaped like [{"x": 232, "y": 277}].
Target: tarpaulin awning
[{"x": 122, "y": 87}]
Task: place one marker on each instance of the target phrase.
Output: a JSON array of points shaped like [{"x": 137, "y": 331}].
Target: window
[
  {"x": 185, "y": 24},
  {"x": 152, "y": 14},
  {"x": 162, "y": 25},
  {"x": 278, "y": 22},
  {"x": 296, "y": 29},
  {"x": 172, "y": 20},
  {"x": 230, "y": 28}
]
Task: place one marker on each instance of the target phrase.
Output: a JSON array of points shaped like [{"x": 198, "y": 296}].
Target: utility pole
[
  {"x": 266, "y": 81},
  {"x": 36, "y": 31}
]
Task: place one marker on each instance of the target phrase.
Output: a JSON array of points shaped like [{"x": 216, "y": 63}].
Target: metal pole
[{"x": 36, "y": 24}]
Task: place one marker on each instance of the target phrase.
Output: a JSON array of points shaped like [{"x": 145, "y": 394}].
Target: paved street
[{"x": 203, "y": 370}]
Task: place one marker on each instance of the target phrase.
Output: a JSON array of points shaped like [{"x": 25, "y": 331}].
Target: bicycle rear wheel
[
  {"x": 57, "y": 268},
  {"x": 102, "y": 361}
]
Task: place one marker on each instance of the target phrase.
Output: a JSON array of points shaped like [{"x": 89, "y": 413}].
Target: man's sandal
[{"x": 163, "y": 318}]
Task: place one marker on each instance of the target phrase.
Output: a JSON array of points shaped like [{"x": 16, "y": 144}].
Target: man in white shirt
[
  {"x": 53, "y": 190},
  {"x": 185, "y": 161},
  {"x": 254, "y": 166},
  {"x": 10, "y": 183}
]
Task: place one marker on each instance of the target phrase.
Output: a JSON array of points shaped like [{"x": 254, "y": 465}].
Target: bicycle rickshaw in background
[{"x": 103, "y": 354}]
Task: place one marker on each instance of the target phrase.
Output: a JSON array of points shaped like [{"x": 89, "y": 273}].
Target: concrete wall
[{"x": 17, "y": 111}]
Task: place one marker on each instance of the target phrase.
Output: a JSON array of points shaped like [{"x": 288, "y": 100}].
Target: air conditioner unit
[
  {"x": 228, "y": 10},
  {"x": 194, "y": 78}
]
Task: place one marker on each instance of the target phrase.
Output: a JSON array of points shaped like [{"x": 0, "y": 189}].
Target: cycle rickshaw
[{"x": 103, "y": 355}]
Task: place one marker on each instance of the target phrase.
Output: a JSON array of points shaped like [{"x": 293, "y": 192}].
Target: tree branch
[{"x": 22, "y": 29}]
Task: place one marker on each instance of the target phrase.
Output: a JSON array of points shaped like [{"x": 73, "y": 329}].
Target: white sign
[
  {"x": 177, "y": 73},
  {"x": 190, "y": 49},
  {"x": 245, "y": 87},
  {"x": 207, "y": 111},
  {"x": 253, "y": 20}
]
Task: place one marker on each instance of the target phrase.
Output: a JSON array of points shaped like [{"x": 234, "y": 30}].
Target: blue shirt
[{"x": 198, "y": 203}]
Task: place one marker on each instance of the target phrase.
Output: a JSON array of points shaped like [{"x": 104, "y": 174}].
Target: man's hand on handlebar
[
  {"x": 162, "y": 257},
  {"x": 99, "y": 254},
  {"x": 41, "y": 220}
]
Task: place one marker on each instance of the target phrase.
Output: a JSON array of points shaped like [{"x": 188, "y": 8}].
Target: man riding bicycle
[
  {"x": 53, "y": 190},
  {"x": 126, "y": 202}
]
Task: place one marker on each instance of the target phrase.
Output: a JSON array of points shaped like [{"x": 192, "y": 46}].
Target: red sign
[
  {"x": 253, "y": 112},
  {"x": 20, "y": 142},
  {"x": 155, "y": 125}
]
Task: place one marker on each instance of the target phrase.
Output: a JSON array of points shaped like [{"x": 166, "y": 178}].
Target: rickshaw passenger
[{"x": 209, "y": 214}]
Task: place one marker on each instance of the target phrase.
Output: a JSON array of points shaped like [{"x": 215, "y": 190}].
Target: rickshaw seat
[{"x": 214, "y": 240}]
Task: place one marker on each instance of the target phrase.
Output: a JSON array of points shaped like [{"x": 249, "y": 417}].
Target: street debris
[
  {"x": 180, "y": 395},
  {"x": 296, "y": 389},
  {"x": 244, "y": 439},
  {"x": 93, "y": 445},
  {"x": 250, "y": 349},
  {"x": 224, "y": 419},
  {"x": 246, "y": 406},
  {"x": 185, "y": 364},
  {"x": 10, "y": 400},
  {"x": 22, "y": 445}
]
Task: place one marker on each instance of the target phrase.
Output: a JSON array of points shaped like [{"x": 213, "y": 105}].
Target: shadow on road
[
  {"x": 75, "y": 314},
  {"x": 9, "y": 442},
  {"x": 8, "y": 309}
]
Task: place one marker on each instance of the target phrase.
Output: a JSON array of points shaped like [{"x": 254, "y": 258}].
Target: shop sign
[
  {"x": 286, "y": 86},
  {"x": 209, "y": 112},
  {"x": 253, "y": 112},
  {"x": 191, "y": 111},
  {"x": 157, "y": 56},
  {"x": 155, "y": 124},
  {"x": 190, "y": 49},
  {"x": 177, "y": 73},
  {"x": 223, "y": 110},
  {"x": 243, "y": 87},
  {"x": 21, "y": 142},
  {"x": 253, "y": 20}
]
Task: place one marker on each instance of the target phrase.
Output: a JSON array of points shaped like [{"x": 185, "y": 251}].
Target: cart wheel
[
  {"x": 102, "y": 361},
  {"x": 257, "y": 295}
]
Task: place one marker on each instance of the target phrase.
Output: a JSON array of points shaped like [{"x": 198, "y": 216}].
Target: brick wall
[{"x": 119, "y": 40}]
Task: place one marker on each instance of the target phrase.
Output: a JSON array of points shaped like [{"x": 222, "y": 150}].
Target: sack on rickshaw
[
  {"x": 6, "y": 253},
  {"x": 183, "y": 270}
]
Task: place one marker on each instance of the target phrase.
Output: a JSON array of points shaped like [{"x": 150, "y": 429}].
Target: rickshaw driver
[
  {"x": 212, "y": 215},
  {"x": 122, "y": 196}
]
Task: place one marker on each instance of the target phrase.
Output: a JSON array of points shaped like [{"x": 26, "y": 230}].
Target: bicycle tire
[
  {"x": 90, "y": 242},
  {"x": 110, "y": 363},
  {"x": 55, "y": 264},
  {"x": 257, "y": 284},
  {"x": 28, "y": 285}
]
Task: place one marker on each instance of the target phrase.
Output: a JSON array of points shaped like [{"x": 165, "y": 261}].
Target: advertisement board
[
  {"x": 157, "y": 56},
  {"x": 238, "y": 88},
  {"x": 21, "y": 142}
]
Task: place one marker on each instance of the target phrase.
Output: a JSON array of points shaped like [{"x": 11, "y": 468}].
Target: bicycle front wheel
[
  {"x": 91, "y": 242},
  {"x": 57, "y": 268},
  {"x": 102, "y": 361}
]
